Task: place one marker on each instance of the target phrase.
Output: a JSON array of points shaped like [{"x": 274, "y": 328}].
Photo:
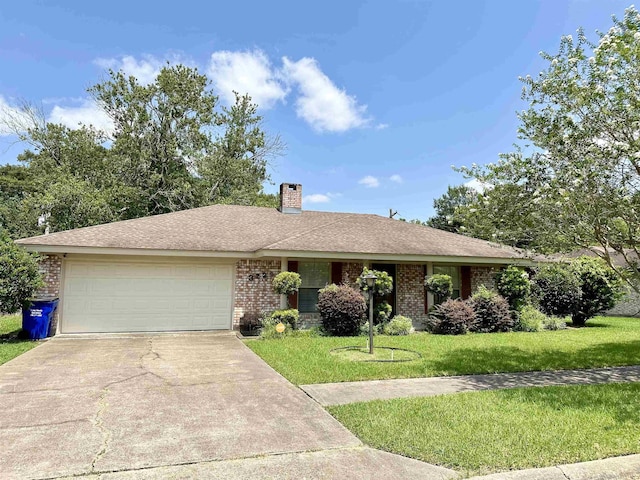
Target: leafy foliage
[
  {"x": 446, "y": 208},
  {"x": 286, "y": 283},
  {"x": 382, "y": 286},
  {"x": 492, "y": 312},
  {"x": 513, "y": 284},
  {"x": 440, "y": 285},
  {"x": 342, "y": 309},
  {"x": 381, "y": 313},
  {"x": 171, "y": 148},
  {"x": 601, "y": 288},
  {"x": 530, "y": 319},
  {"x": 289, "y": 318},
  {"x": 556, "y": 290},
  {"x": 399, "y": 325},
  {"x": 575, "y": 181},
  {"x": 19, "y": 275},
  {"x": 452, "y": 317}
]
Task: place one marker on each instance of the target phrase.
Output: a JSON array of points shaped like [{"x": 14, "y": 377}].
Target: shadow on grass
[{"x": 513, "y": 359}]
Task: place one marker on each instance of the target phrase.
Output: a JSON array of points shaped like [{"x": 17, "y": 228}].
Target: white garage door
[{"x": 144, "y": 296}]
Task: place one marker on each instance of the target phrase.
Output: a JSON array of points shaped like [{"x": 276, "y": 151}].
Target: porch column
[
  {"x": 284, "y": 266},
  {"x": 430, "y": 299}
]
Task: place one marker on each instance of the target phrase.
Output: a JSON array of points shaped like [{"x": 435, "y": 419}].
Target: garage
[{"x": 144, "y": 295}]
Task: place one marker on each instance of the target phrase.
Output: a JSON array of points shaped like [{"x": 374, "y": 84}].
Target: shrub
[
  {"x": 381, "y": 313},
  {"x": 452, "y": 317},
  {"x": 342, "y": 309},
  {"x": 382, "y": 286},
  {"x": 554, "y": 323},
  {"x": 440, "y": 285},
  {"x": 556, "y": 290},
  {"x": 513, "y": 284},
  {"x": 19, "y": 275},
  {"x": 530, "y": 319},
  {"x": 289, "y": 317},
  {"x": 601, "y": 288},
  {"x": 286, "y": 283},
  {"x": 399, "y": 325},
  {"x": 492, "y": 312}
]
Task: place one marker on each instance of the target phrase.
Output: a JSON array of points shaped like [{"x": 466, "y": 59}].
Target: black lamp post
[{"x": 370, "y": 278}]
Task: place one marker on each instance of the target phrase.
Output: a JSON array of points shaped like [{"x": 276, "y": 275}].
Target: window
[
  {"x": 314, "y": 276},
  {"x": 454, "y": 273}
]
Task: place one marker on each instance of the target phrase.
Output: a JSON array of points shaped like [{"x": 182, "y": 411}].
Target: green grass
[
  {"x": 10, "y": 345},
  {"x": 607, "y": 341},
  {"x": 483, "y": 432}
]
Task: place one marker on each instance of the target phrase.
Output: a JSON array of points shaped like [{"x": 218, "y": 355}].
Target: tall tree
[
  {"x": 576, "y": 179},
  {"x": 171, "y": 148},
  {"x": 447, "y": 205}
]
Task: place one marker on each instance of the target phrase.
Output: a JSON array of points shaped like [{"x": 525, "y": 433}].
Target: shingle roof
[{"x": 232, "y": 228}]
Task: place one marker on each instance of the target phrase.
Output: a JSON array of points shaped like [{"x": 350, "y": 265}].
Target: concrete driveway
[{"x": 141, "y": 404}]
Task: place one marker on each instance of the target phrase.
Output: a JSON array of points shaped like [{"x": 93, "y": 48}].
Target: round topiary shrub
[
  {"x": 399, "y": 325},
  {"x": 492, "y": 312},
  {"x": 286, "y": 283},
  {"x": 452, "y": 317},
  {"x": 440, "y": 285},
  {"x": 342, "y": 309},
  {"x": 382, "y": 286},
  {"x": 513, "y": 284}
]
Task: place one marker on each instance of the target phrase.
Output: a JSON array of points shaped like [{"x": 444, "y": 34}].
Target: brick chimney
[{"x": 291, "y": 198}]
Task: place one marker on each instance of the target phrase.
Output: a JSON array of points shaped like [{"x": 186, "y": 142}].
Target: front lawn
[
  {"x": 483, "y": 432},
  {"x": 10, "y": 345},
  {"x": 605, "y": 342}
]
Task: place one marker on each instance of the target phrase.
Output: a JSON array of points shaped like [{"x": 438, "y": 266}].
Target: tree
[
  {"x": 447, "y": 205},
  {"x": 19, "y": 275},
  {"x": 600, "y": 287},
  {"x": 171, "y": 148},
  {"x": 575, "y": 180}
]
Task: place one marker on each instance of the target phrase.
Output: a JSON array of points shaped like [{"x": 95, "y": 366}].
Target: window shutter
[
  {"x": 293, "y": 298},
  {"x": 465, "y": 281},
  {"x": 336, "y": 273}
]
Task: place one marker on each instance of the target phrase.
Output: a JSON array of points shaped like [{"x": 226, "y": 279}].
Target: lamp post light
[{"x": 370, "y": 278}]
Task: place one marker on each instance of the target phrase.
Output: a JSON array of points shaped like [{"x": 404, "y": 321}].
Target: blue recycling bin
[{"x": 36, "y": 318}]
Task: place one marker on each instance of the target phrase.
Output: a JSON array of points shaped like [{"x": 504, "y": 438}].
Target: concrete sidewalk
[{"x": 327, "y": 394}]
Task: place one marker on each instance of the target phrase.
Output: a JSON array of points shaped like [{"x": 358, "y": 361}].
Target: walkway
[{"x": 349, "y": 392}]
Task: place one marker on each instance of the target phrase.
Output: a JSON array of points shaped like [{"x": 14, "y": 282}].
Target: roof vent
[{"x": 291, "y": 198}]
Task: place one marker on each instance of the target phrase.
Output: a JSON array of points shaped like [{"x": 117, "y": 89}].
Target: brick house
[{"x": 211, "y": 267}]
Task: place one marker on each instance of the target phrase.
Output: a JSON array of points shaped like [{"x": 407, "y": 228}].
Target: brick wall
[
  {"x": 410, "y": 293},
  {"x": 253, "y": 293},
  {"x": 482, "y": 276},
  {"x": 51, "y": 270},
  {"x": 350, "y": 272}
]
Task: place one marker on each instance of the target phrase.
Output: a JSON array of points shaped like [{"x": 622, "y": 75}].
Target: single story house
[{"x": 211, "y": 267}]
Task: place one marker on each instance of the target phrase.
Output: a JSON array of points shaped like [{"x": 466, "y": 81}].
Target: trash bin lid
[{"x": 43, "y": 299}]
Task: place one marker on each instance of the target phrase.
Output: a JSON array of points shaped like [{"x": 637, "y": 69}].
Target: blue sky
[{"x": 375, "y": 100}]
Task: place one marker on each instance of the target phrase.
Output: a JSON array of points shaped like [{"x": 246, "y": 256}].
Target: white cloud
[
  {"x": 246, "y": 72},
  {"x": 369, "y": 182},
  {"x": 87, "y": 113},
  {"x": 396, "y": 178},
  {"x": 381, "y": 126},
  {"x": 478, "y": 186},
  {"x": 145, "y": 69},
  {"x": 320, "y": 197},
  {"x": 320, "y": 102},
  {"x": 316, "y": 198}
]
